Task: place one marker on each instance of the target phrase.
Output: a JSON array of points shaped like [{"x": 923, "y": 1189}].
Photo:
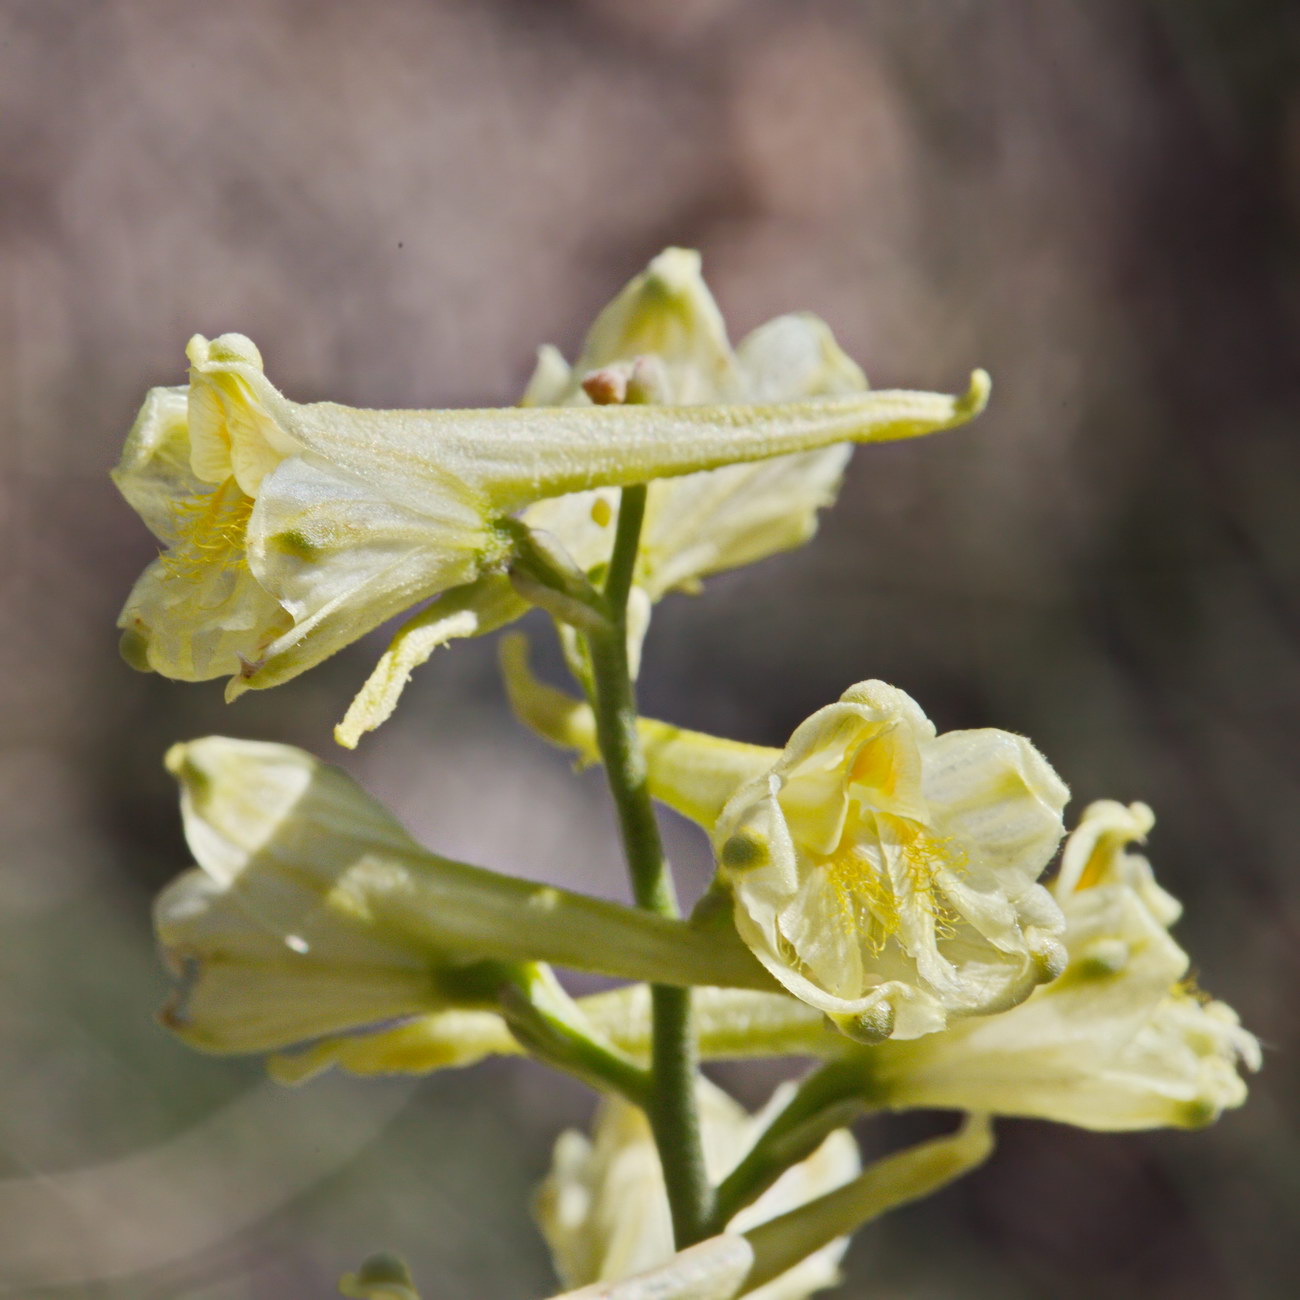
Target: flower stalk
[
  {"x": 829, "y": 1098},
  {"x": 671, "y": 1105},
  {"x": 549, "y": 1025}
]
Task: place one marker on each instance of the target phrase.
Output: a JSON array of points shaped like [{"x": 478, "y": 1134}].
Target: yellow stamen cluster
[
  {"x": 209, "y": 529},
  {"x": 866, "y": 898}
]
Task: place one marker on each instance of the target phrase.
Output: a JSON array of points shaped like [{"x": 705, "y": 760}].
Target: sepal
[{"x": 479, "y": 607}]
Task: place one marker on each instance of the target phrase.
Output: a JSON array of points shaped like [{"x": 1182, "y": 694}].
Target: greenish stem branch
[
  {"x": 829, "y": 1098},
  {"x": 547, "y": 1023}
]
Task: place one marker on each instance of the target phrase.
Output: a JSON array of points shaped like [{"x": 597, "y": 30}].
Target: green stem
[
  {"x": 671, "y": 1106},
  {"x": 622, "y": 559},
  {"x": 830, "y": 1097}
]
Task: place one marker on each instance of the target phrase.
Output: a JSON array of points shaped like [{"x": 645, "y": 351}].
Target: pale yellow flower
[
  {"x": 695, "y": 525},
  {"x": 312, "y": 913},
  {"x": 1120, "y": 1041},
  {"x": 884, "y": 874},
  {"x": 604, "y": 1210},
  {"x": 888, "y": 875},
  {"x": 292, "y": 530}
]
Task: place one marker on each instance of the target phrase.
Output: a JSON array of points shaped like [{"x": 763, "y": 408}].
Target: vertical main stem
[{"x": 671, "y": 1108}]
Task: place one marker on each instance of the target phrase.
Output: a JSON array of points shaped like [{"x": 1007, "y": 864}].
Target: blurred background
[{"x": 399, "y": 201}]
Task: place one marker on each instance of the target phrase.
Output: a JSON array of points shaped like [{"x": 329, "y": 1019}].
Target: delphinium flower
[
  {"x": 292, "y": 530},
  {"x": 662, "y": 340},
  {"x": 312, "y": 912},
  {"x": 883, "y": 873}
]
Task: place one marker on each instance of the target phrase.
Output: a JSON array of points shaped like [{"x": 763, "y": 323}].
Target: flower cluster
[{"x": 879, "y": 902}]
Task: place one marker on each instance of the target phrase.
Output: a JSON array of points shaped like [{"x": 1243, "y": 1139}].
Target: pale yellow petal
[
  {"x": 437, "y": 1041},
  {"x": 999, "y": 794},
  {"x": 472, "y": 610},
  {"x": 154, "y": 473},
  {"x": 247, "y": 985},
  {"x": 706, "y": 523},
  {"x": 233, "y": 408},
  {"x": 342, "y": 559},
  {"x": 198, "y": 611},
  {"x": 551, "y": 380}
]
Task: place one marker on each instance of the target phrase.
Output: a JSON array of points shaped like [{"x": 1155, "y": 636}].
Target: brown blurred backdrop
[{"x": 399, "y": 200}]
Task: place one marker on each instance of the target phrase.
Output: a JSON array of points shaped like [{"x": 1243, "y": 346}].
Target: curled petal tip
[{"x": 976, "y": 397}]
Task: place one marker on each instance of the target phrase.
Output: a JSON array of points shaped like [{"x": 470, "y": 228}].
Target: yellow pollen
[
  {"x": 866, "y": 898},
  {"x": 1187, "y": 988},
  {"x": 209, "y": 530}
]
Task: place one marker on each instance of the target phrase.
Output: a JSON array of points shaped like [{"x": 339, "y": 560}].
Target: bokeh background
[{"x": 399, "y": 200}]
